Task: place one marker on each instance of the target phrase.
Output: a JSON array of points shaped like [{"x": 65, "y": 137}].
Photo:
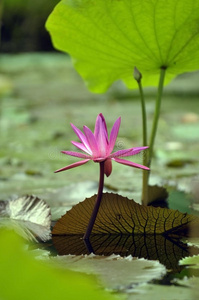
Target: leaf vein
[{"x": 141, "y": 36}]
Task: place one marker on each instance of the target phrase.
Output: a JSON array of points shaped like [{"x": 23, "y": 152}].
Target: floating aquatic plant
[
  {"x": 98, "y": 147},
  {"x": 107, "y": 39}
]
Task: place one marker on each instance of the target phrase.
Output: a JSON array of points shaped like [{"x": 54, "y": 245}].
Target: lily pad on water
[
  {"x": 29, "y": 216},
  {"x": 163, "y": 292},
  {"x": 119, "y": 215},
  {"x": 191, "y": 287},
  {"x": 114, "y": 272},
  {"x": 126, "y": 228},
  {"x": 191, "y": 261},
  {"x": 108, "y": 38}
]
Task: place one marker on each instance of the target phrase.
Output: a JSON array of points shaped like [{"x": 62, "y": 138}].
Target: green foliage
[
  {"x": 108, "y": 38},
  {"x": 22, "y": 277}
]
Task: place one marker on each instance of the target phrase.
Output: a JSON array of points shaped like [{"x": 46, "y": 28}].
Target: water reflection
[{"x": 153, "y": 247}]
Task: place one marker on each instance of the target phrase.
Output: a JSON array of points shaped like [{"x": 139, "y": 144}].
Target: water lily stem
[
  {"x": 97, "y": 203},
  {"x": 148, "y": 156},
  {"x": 156, "y": 114}
]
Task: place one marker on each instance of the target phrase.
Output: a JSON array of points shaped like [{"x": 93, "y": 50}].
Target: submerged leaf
[
  {"x": 119, "y": 215},
  {"x": 107, "y": 38},
  {"x": 28, "y": 215}
]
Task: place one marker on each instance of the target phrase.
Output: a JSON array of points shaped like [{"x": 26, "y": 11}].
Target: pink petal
[
  {"x": 101, "y": 123},
  {"x": 76, "y": 154},
  {"x": 81, "y": 147},
  {"x": 127, "y": 152},
  {"x": 139, "y": 148},
  {"x": 81, "y": 136},
  {"x": 101, "y": 135},
  {"x": 108, "y": 167},
  {"x": 77, "y": 164},
  {"x": 91, "y": 141},
  {"x": 114, "y": 134},
  {"x": 121, "y": 153},
  {"x": 130, "y": 163}
]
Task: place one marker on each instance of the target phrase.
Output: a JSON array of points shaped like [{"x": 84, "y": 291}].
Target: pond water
[{"x": 40, "y": 95}]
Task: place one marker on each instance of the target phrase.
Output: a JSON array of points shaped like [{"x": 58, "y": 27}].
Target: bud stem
[
  {"x": 145, "y": 175},
  {"x": 145, "y": 195}
]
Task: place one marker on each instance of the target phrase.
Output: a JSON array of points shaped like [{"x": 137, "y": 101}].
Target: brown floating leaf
[{"x": 119, "y": 215}]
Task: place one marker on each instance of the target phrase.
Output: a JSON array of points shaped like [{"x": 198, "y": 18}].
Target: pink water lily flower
[{"x": 98, "y": 147}]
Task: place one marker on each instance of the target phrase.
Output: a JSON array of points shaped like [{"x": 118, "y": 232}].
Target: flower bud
[{"x": 137, "y": 75}]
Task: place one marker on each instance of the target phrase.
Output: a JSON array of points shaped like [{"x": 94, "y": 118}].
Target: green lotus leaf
[{"x": 107, "y": 38}]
